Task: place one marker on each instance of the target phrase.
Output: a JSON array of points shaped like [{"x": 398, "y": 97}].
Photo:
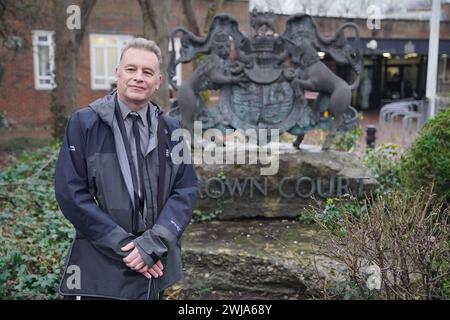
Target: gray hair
[{"x": 143, "y": 44}]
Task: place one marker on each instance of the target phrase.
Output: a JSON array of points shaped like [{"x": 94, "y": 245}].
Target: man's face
[{"x": 138, "y": 77}]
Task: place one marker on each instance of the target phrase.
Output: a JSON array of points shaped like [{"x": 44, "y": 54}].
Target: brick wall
[{"x": 26, "y": 106}]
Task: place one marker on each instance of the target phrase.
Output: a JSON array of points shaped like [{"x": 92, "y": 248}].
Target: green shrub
[
  {"x": 347, "y": 140},
  {"x": 384, "y": 163},
  {"x": 334, "y": 211},
  {"x": 428, "y": 160},
  {"x": 34, "y": 235},
  {"x": 337, "y": 209}
]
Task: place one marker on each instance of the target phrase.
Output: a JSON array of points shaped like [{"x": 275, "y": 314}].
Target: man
[{"x": 116, "y": 183}]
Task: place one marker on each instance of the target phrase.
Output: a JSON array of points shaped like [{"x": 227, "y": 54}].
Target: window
[
  {"x": 105, "y": 55},
  {"x": 43, "y": 59}
]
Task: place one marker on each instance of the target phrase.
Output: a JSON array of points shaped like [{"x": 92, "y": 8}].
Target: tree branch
[
  {"x": 214, "y": 8},
  {"x": 148, "y": 10},
  {"x": 86, "y": 9},
  {"x": 191, "y": 19},
  {"x": 2, "y": 9}
]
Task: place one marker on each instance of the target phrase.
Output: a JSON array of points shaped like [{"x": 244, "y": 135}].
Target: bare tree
[
  {"x": 346, "y": 7},
  {"x": 191, "y": 18},
  {"x": 318, "y": 7},
  {"x": 305, "y": 6},
  {"x": 214, "y": 7},
  {"x": 394, "y": 6},
  {"x": 155, "y": 15},
  {"x": 322, "y": 7},
  {"x": 67, "y": 43},
  {"x": 423, "y": 4},
  {"x": 269, "y": 5},
  {"x": 360, "y": 7}
]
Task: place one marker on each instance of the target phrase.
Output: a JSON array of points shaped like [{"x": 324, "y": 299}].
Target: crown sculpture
[{"x": 262, "y": 78}]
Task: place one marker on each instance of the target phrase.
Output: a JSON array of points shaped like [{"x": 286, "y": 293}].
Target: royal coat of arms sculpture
[{"x": 262, "y": 78}]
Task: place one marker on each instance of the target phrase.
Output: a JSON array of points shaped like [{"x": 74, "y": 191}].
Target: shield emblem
[{"x": 260, "y": 106}]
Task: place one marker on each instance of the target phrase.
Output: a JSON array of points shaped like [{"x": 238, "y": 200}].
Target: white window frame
[
  {"x": 178, "y": 75},
  {"x": 122, "y": 39},
  {"x": 50, "y": 42}
]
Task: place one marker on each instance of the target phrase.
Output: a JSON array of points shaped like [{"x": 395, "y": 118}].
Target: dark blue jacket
[{"x": 94, "y": 191}]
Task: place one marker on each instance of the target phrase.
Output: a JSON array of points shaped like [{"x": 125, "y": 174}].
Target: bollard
[{"x": 371, "y": 136}]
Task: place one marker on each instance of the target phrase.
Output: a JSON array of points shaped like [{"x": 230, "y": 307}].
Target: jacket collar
[{"x": 104, "y": 107}]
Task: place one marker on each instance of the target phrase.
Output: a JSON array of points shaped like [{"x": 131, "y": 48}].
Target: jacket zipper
[
  {"x": 151, "y": 193},
  {"x": 151, "y": 280},
  {"x": 94, "y": 182}
]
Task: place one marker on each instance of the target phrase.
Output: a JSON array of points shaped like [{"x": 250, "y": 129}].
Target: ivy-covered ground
[{"x": 34, "y": 235}]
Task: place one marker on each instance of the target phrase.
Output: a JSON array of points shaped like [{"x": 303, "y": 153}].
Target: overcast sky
[{"x": 343, "y": 8}]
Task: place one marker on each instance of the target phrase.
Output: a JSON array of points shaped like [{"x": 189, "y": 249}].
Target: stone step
[{"x": 269, "y": 257}]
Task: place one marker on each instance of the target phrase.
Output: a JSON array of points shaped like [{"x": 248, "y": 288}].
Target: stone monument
[{"x": 262, "y": 78}]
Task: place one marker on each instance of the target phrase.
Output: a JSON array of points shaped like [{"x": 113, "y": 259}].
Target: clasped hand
[{"x": 135, "y": 262}]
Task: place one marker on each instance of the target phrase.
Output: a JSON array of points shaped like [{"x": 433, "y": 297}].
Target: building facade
[{"x": 395, "y": 57}]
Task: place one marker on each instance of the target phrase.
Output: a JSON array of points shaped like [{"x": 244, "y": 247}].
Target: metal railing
[{"x": 404, "y": 117}]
